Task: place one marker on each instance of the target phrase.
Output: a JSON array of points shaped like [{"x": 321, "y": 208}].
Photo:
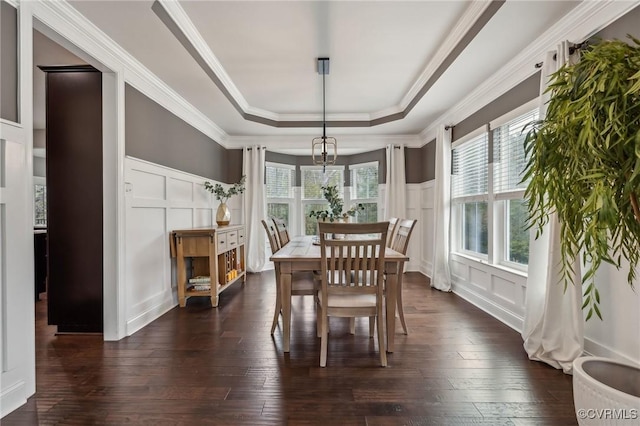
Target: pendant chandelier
[{"x": 323, "y": 143}]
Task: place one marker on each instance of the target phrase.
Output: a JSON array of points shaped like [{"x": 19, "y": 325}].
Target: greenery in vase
[
  {"x": 223, "y": 195},
  {"x": 336, "y": 204},
  {"x": 585, "y": 162}
]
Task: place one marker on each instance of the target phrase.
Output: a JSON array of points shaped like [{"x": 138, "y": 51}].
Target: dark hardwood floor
[{"x": 198, "y": 365}]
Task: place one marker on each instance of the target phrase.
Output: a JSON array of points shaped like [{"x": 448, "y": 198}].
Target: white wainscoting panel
[
  {"x": 202, "y": 218},
  {"x": 414, "y": 211},
  {"x": 496, "y": 290},
  {"x": 427, "y": 191},
  {"x": 148, "y": 185},
  {"x": 158, "y": 200},
  {"x": 145, "y": 258},
  {"x": 180, "y": 191},
  {"x": 180, "y": 218}
]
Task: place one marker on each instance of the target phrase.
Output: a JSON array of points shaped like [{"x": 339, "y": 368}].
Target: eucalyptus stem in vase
[{"x": 223, "y": 214}]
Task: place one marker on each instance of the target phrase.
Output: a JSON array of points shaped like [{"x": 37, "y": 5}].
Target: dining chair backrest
[
  {"x": 393, "y": 222},
  {"x": 272, "y": 236},
  {"x": 357, "y": 257},
  {"x": 404, "y": 228},
  {"x": 281, "y": 229}
]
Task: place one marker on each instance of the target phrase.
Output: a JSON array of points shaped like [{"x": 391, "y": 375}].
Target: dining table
[{"x": 302, "y": 253}]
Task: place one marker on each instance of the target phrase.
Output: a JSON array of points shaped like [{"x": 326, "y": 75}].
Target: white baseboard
[
  {"x": 488, "y": 306},
  {"x": 597, "y": 349},
  {"x": 150, "y": 315},
  {"x": 12, "y": 398}
]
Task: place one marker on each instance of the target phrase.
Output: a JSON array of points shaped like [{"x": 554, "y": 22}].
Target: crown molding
[
  {"x": 177, "y": 21},
  {"x": 583, "y": 21},
  {"x": 182, "y": 20},
  {"x": 303, "y": 142},
  {"x": 67, "y": 23},
  {"x": 462, "y": 27}
]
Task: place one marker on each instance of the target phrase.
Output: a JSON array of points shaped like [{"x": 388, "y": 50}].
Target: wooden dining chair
[
  {"x": 400, "y": 243},
  {"x": 392, "y": 227},
  {"x": 351, "y": 277},
  {"x": 302, "y": 284},
  {"x": 283, "y": 232}
]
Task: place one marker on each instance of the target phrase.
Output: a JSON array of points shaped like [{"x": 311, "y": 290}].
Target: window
[
  {"x": 312, "y": 198},
  {"x": 489, "y": 212},
  {"x": 39, "y": 202},
  {"x": 279, "y": 180},
  {"x": 364, "y": 190},
  {"x": 470, "y": 194},
  {"x": 509, "y": 162}
]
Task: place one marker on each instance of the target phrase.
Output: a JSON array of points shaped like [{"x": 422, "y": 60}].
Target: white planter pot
[{"x": 606, "y": 392}]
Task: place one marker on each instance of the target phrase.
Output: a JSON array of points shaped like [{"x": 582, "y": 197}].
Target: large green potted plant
[
  {"x": 585, "y": 166},
  {"x": 585, "y": 162}
]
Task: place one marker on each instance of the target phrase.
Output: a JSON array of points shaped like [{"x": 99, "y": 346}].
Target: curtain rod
[{"x": 572, "y": 50}]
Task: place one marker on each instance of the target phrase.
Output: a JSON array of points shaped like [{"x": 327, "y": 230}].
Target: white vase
[
  {"x": 606, "y": 392},
  {"x": 223, "y": 215}
]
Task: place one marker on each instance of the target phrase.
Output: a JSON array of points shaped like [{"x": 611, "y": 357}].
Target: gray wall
[
  {"x": 519, "y": 95},
  {"x": 343, "y": 160},
  {"x": 40, "y": 166},
  {"x": 8, "y": 62},
  {"x": 420, "y": 163},
  {"x": 154, "y": 134},
  {"x": 627, "y": 24},
  {"x": 530, "y": 88}
]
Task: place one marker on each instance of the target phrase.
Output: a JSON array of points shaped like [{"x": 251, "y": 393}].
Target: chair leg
[
  {"x": 352, "y": 325},
  {"x": 323, "y": 341},
  {"x": 381, "y": 343},
  {"x": 318, "y": 320},
  {"x": 400, "y": 306},
  {"x": 372, "y": 325}
]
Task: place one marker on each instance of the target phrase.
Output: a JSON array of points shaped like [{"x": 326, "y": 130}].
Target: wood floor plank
[{"x": 198, "y": 366}]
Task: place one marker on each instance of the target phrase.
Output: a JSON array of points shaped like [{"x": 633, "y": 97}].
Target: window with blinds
[
  {"x": 313, "y": 179},
  {"x": 364, "y": 190},
  {"x": 509, "y": 160},
  {"x": 279, "y": 181},
  {"x": 470, "y": 168}
]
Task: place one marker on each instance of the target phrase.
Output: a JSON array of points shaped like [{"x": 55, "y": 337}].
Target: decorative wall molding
[
  {"x": 177, "y": 21},
  {"x": 12, "y": 131},
  {"x": 302, "y": 143},
  {"x": 93, "y": 41},
  {"x": 158, "y": 200},
  {"x": 583, "y": 21},
  {"x": 495, "y": 290}
]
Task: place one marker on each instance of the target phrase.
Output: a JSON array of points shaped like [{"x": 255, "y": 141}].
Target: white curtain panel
[
  {"x": 254, "y": 207},
  {"x": 395, "y": 203},
  {"x": 553, "y": 329},
  {"x": 440, "y": 272}
]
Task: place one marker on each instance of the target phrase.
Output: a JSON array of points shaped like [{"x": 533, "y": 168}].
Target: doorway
[{"x": 60, "y": 51}]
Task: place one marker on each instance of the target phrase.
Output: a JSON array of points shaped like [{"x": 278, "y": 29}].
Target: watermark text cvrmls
[{"x": 608, "y": 413}]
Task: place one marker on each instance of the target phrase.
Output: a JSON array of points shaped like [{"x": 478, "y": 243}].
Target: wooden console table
[{"x": 218, "y": 253}]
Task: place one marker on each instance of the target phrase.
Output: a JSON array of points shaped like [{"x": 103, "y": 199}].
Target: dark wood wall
[{"x": 74, "y": 198}]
